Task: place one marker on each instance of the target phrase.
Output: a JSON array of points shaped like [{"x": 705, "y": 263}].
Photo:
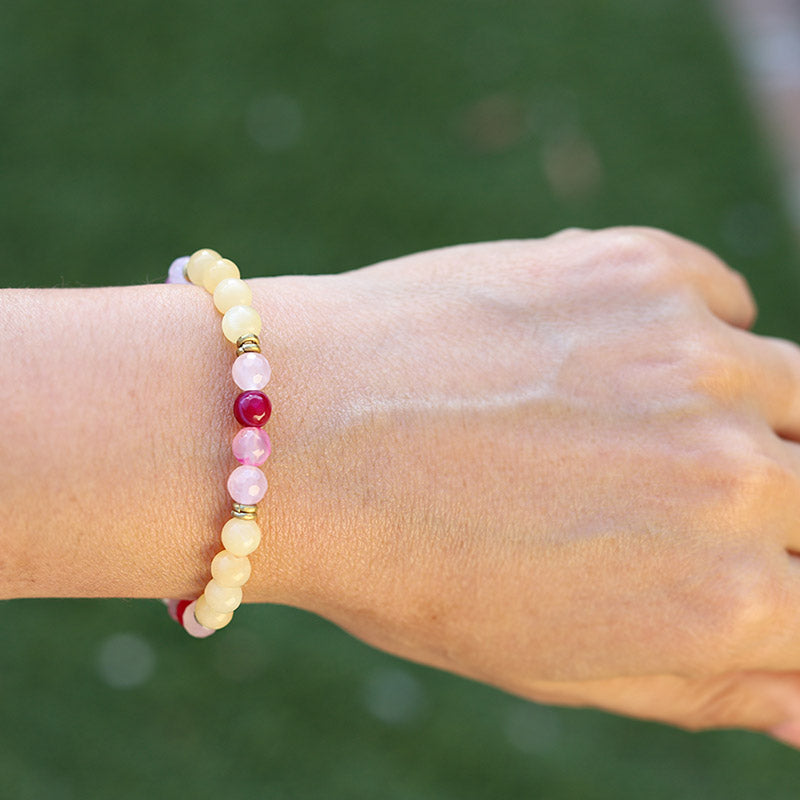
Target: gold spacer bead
[
  {"x": 248, "y": 343},
  {"x": 243, "y": 511}
]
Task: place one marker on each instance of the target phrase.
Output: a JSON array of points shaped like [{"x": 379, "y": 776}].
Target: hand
[{"x": 561, "y": 466}]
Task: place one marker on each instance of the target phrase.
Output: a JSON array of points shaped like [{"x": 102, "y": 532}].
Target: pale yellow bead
[
  {"x": 239, "y": 320},
  {"x": 240, "y": 536},
  {"x": 222, "y": 598},
  {"x": 206, "y": 615},
  {"x": 218, "y": 271},
  {"x": 232, "y": 292},
  {"x": 230, "y": 570},
  {"x": 198, "y": 263}
]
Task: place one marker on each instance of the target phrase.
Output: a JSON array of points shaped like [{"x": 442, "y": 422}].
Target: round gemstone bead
[
  {"x": 207, "y": 618},
  {"x": 251, "y": 371},
  {"x": 231, "y": 292},
  {"x": 252, "y": 408},
  {"x": 240, "y": 536},
  {"x": 251, "y": 446},
  {"x": 176, "y": 608},
  {"x": 230, "y": 570},
  {"x": 176, "y": 270},
  {"x": 191, "y": 624},
  {"x": 218, "y": 271},
  {"x": 240, "y": 320},
  {"x": 222, "y": 599},
  {"x": 247, "y": 485},
  {"x": 199, "y": 262}
]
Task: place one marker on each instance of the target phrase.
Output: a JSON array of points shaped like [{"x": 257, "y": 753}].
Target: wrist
[{"x": 118, "y": 489}]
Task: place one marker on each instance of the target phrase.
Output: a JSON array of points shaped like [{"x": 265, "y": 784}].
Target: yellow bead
[
  {"x": 206, "y": 615},
  {"x": 230, "y": 570},
  {"x": 232, "y": 292},
  {"x": 198, "y": 263},
  {"x": 240, "y": 536},
  {"x": 222, "y": 599},
  {"x": 218, "y": 271},
  {"x": 239, "y": 320}
]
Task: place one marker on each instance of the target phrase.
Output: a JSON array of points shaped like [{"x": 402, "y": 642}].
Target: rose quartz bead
[
  {"x": 247, "y": 485},
  {"x": 251, "y": 446},
  {"x": 251, "y": 371},
  {"x": 172, "y": 607},
  {"x": 192, "y": 626}
]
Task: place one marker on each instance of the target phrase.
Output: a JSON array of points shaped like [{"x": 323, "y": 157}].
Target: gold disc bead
[
  {"x": 249, "y": 343},
  {"x": 242, "y": 511}
]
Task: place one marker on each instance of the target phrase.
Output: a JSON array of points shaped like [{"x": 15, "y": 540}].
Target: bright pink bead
[
  {"x": 252, "y": 408},
  {"x": 251, "y": 371},
  {"x": 251, "y": 446},
  {"x": 247, "y": 485}
]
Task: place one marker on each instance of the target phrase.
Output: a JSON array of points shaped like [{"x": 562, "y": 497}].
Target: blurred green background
[{"x": 316, "y": 137}]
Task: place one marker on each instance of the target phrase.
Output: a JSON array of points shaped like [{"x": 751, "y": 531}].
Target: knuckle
[
  {"x": 573, "y": 230},
  {"x": 743, "y": 477},
  {"x": 790, "y": 355},
  {"x": 739, "y": 604},
  {"x": 643, "y": 259},
  {"x": 713, "y": 369},
  {"x": 744, "y": 286},
  {"x": 634, "y": 245}
]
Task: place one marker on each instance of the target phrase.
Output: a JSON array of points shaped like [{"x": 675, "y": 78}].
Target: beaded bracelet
[{"x": 241, "y": 325}]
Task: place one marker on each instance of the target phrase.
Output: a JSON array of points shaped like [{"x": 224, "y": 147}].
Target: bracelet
[{"x": 241, "y": 325}]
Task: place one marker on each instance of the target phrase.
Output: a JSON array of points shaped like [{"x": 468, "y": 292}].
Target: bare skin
[{"x": 561, "y": 466}]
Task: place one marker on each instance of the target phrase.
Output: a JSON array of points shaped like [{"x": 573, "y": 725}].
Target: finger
[
  {"x": 757, "y": 700},
  {"x": 724, "y": 290},
  {"x": 772, "y": 366}
]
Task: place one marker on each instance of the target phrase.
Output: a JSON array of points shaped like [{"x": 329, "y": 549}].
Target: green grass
[{"x": 315, "y": 137}]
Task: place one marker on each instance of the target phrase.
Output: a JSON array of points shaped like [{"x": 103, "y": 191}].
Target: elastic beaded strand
[{"x": 240, "y": 536}]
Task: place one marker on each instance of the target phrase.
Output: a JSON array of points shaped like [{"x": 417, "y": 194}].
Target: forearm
[{"x": 116, "y": 417}]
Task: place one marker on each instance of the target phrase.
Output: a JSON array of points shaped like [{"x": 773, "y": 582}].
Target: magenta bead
[
  {"x": 251, "y": 446},
  {"x": 252, "y": 408},
  {"x": 175, "y": 273},
  {"x": 247, "y": 485},
  {"x": 251, "y": 371}
]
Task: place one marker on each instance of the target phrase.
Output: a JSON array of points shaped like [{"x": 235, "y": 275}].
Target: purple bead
[
  {"x": 252, "y": 409},
  {"x": 251, "y": 371},
  {"x": 176, "y": 268},
  {"x": 251, "y": 446},
  {"x": 247, "y": 485}
]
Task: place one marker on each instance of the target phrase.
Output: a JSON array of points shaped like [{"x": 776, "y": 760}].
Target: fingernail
[{"x": 788, "y": 733}]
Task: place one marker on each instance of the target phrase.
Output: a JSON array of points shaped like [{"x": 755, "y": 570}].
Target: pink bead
[
  {"x": 172, "y": 608},
  {"x": 251, "y": 446},
  {"x": 247, "y": 485},
  {"x": 176, "y": 274},
  {"x": 251, "y": 371},
  {"x": 192, "y": 626}
]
